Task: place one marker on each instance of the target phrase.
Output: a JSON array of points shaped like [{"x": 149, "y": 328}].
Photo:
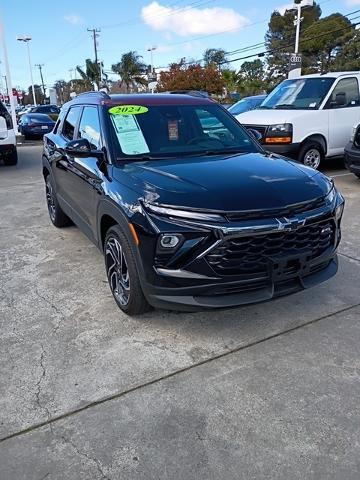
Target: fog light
[{"x": 169, "y": 241}]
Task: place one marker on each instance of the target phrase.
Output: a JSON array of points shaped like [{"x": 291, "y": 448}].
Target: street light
[
  {"x": 296, "y": 59},
  {"x": 298, "y": 5},
  {"x": 26, "y": 39},
  {"x": 151, "y": 50}
]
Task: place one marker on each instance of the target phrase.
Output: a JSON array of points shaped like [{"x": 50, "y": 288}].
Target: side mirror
[
  {"x": 255, "y": 134},
  {"x": 3, "y": 129},
  {"x": 82, "y": 148}
]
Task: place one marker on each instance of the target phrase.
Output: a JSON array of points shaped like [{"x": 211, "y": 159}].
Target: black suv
[{"x": 187, "y": 207}]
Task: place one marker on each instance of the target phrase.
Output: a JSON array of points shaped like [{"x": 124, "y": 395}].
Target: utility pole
[
  {"x": 42, "y": 79},
  {"x": 8, "y": 77},
  {"x": 95, "y": 33}
]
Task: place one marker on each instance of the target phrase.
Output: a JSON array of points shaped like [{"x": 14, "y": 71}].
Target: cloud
[
  {"x": 73, "y": 19},
  {"x": 191, "y": 21},
  {"x": 352, "y": 3}
]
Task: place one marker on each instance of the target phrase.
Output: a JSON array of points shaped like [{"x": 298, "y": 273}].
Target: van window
[
  {"x": 70, "y": 122},
  {"x": 345, "y": 94}
]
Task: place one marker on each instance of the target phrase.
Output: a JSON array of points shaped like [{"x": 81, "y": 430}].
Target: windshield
[
  {"x": 245, "y": 105},
  {"x": 298, "y": 94},
  {"x": 175, "y": 130}
]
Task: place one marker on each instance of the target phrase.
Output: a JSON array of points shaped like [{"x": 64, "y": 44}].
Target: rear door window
[{"x": 70, "y": 122}]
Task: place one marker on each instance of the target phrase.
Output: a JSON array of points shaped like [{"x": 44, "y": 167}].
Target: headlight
[
  {"x": 280, "y": 133},
  {"x": 339, "y": 211},
  {"x": 352, "y": 138},
  {"x": 330, "y": 197},
  {"x": 190, "y": 215}
]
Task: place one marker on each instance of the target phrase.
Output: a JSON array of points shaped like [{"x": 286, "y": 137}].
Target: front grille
[
  {"x": 256, "y": 254},
  {"x": 259, "y": 128},
  {"x": 288, "y": 212}
]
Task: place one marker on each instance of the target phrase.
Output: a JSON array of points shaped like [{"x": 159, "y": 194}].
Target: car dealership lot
[{"x": 265, "y": 391}]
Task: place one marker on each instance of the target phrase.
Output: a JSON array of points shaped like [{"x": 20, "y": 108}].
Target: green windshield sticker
[{"x": 128, "y": 110}]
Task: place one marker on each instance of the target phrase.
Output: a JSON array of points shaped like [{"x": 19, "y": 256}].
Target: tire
[
  {"x": 57, "y": 216},
  {"x": 311, "y": 154},
  {"x": 122, "y": 273},
  {"x": 11, "y": 158}
]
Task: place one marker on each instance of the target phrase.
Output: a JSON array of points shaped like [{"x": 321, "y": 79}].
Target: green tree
[
  {"x": 215, "y": 56},
  {"x": 280, "y": 38},
  {"x": 131, "y": 70},
  {"x": 252, "y": 78},
  {"x": 328, "y": 36},
  {"x": 90, "y": 75},
  {"x": 39, "y": 95},
  {"x": 231, "y": 79},
  {"x": 62, "y": 91},
  {"x": 182, "y": 76},
  {"x": 347, "y": 58}
]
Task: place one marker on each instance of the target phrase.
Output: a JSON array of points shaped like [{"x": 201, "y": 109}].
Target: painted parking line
[{"x": 341, "y": 175}]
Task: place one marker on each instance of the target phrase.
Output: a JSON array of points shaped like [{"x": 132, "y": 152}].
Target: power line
[{"x": 262, "y": 54}]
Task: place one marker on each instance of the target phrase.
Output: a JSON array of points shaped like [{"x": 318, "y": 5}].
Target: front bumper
[
  {"x": 289, "y": 150},
  {"x": 244, "y": 292},
  {"x": 352, "y": 159},
  {"x": 195, "y": 277}
]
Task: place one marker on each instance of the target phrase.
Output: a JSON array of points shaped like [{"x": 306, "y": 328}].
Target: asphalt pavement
[{"x": 268, "y": 391}]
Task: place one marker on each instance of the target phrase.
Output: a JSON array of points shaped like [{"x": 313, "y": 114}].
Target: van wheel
[
  {"x": 122, "y": 273},
  {"x": 11, "y": 158},
  {"x": 311, "y": 154}
]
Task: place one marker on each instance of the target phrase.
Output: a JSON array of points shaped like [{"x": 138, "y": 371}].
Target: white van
[{"x": 308, "y": 118}]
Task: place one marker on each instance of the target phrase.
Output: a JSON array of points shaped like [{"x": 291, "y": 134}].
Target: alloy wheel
[
  {"x": 312, "y": 158},
  {"x": 117, "y": 271},
  {"x": 50, "y": 201}
]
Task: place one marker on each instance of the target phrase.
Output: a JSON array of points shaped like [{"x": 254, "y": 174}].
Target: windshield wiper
[
  {"x": 284, "y": 106},
  {"x": 225, "y": 151},
  {"x": 264, "y": 107}
]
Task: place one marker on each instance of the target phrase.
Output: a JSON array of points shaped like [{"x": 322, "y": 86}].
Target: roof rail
[{"x": 92, "y": 92}]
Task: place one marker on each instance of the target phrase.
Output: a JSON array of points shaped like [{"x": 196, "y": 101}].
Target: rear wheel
[
  {"x": 11, "y": 158},
  {"x": 57, "y": 216},
  {"x": 122, "y": 273},
  {"x": 311, "y": 154}
]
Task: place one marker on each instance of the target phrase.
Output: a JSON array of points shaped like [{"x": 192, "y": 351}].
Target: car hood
[
  {"x": 269, "y": 117},
  {"x": 229, "y": 183}
]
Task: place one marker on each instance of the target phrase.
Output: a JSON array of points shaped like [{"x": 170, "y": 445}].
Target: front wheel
[
  {"x": 57, "y": 216},
  {"x": 311, "y": 154},
  {"x": 11, "y": 158},
  {"x": 122, "y": 273}
]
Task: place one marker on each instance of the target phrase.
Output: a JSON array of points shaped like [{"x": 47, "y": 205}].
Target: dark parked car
[
  {"x": 51, "y": 110},
  {"x": 352, "y": 153},
  {"x": 35, "y": 125},
  {"x": 187, "y": 219},
  {"x": 246, "y": 104}
]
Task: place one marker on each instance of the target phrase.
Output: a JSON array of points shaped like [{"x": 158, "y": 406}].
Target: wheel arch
[{"x": 317, "y": 137}]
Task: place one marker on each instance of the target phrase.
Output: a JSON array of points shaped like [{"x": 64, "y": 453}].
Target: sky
[{"x": 177, "y": 28}]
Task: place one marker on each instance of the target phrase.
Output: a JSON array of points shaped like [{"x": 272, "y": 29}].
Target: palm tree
[
  {"x": 131, "y": 70},
  {"x": 91, "y": 74}
]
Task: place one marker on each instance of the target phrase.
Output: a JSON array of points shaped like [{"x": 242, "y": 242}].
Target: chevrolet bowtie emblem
[{"x": 286, "y": 224}]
